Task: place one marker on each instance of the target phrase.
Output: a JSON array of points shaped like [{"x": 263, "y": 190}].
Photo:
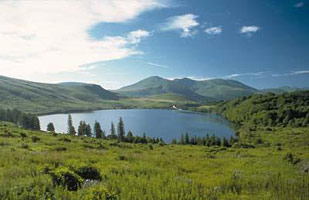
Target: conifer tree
[
  {"x": 71, "y": 129},
  {"x": 50, "y": 127},
  {"x": 120, "y": 130},
  {"x": 97, "y": 130},
  {"x": 113, "y": 132}
]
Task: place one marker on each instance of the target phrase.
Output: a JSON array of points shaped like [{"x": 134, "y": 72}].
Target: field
[{"x": 39, "y": 165}]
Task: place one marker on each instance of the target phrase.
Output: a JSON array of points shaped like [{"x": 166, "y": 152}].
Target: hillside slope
[
  {"x": 211, "y": 90},
  {"x": 157, "y": 86},
  {"x": 288, "y": 109},
  {"x": 26, "y": 95}
]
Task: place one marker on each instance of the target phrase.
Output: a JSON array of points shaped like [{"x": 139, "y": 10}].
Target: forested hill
[
  {"x": 30, "y": 96},
  {"x": 288, "y": 109}
]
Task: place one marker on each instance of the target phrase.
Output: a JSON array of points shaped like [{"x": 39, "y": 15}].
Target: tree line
[
  {"x": 213, "y": 140},
  {"x": 25, "y": 120},
  {"x": 85, "y": 129}
]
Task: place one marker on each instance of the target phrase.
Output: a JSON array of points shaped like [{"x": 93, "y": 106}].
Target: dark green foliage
[
  {"x": 84, "y": 129},
  {"x": 288, "y": 109},
  {"x": 27, "y": 121},
  {"x": 35, "y": 139},
  {"x": 71, "y": 129},
  {"x": 205, "y": 141},
  {"x": 113, "y": 132},
  {"x": 121, "y": 131},
  {"x": 50, "y": 127},
  {"x": 88, "y": 172},
  {"x": 65, "y": 177},
  {"x": 98, "y": 131},
  {"x": 130, "y": 137}
]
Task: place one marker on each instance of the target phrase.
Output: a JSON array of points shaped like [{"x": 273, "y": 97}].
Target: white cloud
[
  {"x": 245, "y": 74},
  {"x": 214, "y": 30},
  {"x": 156, "y": 65},
  {"x": 135, "y": 37},
  {"x": 292, "y": 73},
  {"x": 184, "y": 23},
  {"x": 39, "y": 37},
  {"x": 249, "y": 30},
  {"x": 301, "y": 72},
  {"x": 299, "y": 5}
]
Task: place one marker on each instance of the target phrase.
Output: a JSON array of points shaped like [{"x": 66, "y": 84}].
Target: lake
[{"x": 167, "y": 124}]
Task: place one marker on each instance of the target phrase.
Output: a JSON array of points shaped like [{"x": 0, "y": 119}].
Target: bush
[
  {"x": 64, "y": 177},
  {"x": 35, "y": 139},
  {"x": 87, "y": 172}
]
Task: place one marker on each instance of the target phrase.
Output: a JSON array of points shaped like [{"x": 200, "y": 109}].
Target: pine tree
[
  {"x": 71, "y": 129},
  {"x": 120, "y": 130},
  {"x": 187, "y": 139},
  {"x": 81, "y": 128},
  {"x": 130, "y": 137},
  {"x": 97, "y": 130},
  {"x": 113, "y": 132},
  {"x": 88, "y": 130},
  {"x": 50, "y": 127}
]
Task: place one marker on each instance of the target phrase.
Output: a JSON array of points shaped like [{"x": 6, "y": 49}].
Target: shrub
[
  {"x": 89, "y": 172},
  {"x": 35, "y": 139},
  {"x": 64, "y": 177}
]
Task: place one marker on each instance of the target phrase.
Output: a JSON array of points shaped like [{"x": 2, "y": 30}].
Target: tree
[
  {"x": 81, "y": 128},
  {"x": 120, "y": 130},
  {"x": 187, "y": 139},
  {"x": 113, "y": 132},
  {"x": 71, "y": 129},
  {"x": 130, "y": 137},
  {"x": 97, "y": 130},
  {"x": 88, "y": 130},
  {"x": 50, "y": 127}
]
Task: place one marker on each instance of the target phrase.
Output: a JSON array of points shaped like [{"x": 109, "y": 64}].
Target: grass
[{"x": 29, "y": 160}]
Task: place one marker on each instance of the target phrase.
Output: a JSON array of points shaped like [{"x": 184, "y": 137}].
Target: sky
[{"x": 262, "y": 43}]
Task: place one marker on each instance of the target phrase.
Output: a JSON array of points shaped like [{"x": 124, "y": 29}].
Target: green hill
[
  {"x": 288, "y": 109},
  {"x": 219, "y": 89},
  {"x": 215, "y": 89},
  {"x": 29, "y": 96},
  {"x": 157, "y": 86}
]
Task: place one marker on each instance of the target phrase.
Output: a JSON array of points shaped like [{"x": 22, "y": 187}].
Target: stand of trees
[
  {"x": 205, "y": 141},
  {"x": 84, "y": 129},
  {"x": 25, "y": 120},
  {"x": 288, "y": 109}
]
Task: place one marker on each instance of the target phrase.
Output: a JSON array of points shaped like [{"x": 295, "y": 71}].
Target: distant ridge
[
  {"x": 211, "y": 90},
  {"x": 26, "y": 95}
]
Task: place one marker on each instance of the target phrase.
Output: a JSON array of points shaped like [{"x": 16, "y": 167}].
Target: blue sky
[{"x": 262, "y": 43}]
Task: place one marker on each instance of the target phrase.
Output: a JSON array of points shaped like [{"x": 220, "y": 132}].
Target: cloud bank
[{"x": 52, "y": 36}]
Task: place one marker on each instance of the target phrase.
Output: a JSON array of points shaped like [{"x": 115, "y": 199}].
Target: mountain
[
  {"x": 155, "y": 85},
  {"x": 220, "y": 89},
  {"x": 214, "y": 89},
  {"x": 30, "y": 96}
]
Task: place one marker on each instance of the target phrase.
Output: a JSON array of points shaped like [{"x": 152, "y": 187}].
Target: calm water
[{"x": 167, "y": 124}]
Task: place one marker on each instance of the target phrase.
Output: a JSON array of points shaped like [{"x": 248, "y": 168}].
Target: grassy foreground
[{"x": 36, "y": 165}]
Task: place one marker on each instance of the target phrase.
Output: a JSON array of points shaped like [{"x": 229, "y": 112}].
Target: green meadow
[{"x": 41, "y": 165}]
